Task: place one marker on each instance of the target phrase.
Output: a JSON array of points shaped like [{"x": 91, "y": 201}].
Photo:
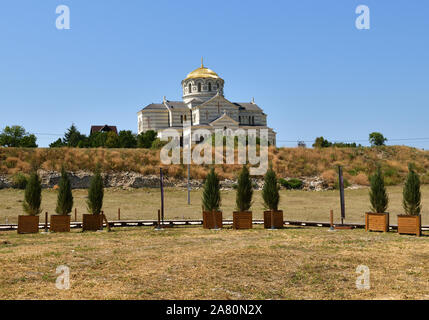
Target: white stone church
[{"x": 206, "y": 107}]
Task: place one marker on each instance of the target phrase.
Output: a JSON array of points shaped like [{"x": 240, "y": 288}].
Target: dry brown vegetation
[
  {"x": 193, "y": 263},
  {"x": 288, "y": 162}
]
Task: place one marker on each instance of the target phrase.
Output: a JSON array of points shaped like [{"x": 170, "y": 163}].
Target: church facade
[{"x": 204, "y": 104}]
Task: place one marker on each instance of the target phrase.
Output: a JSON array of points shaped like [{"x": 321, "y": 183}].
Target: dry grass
[
  {"x": 288, "y": 162},
  {"x": 192, "y": 263},
  {"x": 144, "y": 203}
]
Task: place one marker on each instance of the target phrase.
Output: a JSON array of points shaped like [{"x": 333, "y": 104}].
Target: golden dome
[{"x": 202, "y": 72}]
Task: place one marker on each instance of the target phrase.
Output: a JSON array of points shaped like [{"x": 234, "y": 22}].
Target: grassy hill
[{"x": 288, "y": 162}]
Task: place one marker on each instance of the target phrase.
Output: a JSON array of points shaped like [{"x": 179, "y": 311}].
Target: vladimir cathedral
[{"x": 204, "y": 104}]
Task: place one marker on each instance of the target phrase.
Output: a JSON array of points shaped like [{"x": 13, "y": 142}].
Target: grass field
[
  {"x": 193, "y": 263},
  {"x": 144, "y": 203}
]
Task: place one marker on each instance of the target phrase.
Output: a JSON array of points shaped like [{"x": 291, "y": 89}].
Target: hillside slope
[{"x": 288, "y": 162}]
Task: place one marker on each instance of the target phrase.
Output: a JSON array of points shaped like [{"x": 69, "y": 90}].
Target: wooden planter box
[
  {"x": 60, "y": 223},
  {"x": 410, "y": 225},
  {"x": 28, "y": 224},
  {"x": 278, "y": 219},
  {"x": 377, "y": 221},
  {"x": 208, "y": 221},
  {"x": 92, "y": 222},
  {"x": 242, "y": 220}
]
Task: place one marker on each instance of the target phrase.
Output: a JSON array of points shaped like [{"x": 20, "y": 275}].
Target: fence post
[
  {"x": 46, "y": 222},
  {"x": 331, "y": 220},
  {"x": 119, "y": 214},
  {"x": 75, "y": 214}
]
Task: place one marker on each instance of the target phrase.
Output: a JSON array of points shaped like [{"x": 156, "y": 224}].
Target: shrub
[
  {"x": 158, "y": 143},
  {"x": 211, "y": 193},
  {"x": 377, "y": 194},
  {"x": 321, "y": 142},
  {"x": 33, "y": 195},
  {"x": 291, "y": 183},
  {"x": 243, "y": 199},
  {"x": 19, "y": 181},
  {"x": 270, "y": 191},
  {"x": 145, "y": 140},
  {"x": 411, "y": 193},
  {"x": 65, "y": 196},
  {"x": 95, "y": 193}
]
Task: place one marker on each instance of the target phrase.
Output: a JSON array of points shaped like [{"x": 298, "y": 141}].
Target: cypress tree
[
  {"x": 270, "y": 191},
  {"x": 95, "y": 193},
  {"x": 411, "y": 193},
  {"x": 65, "y": 196},
  {"x": 33, "y": 195},
  {"x": 243, "y": 199},
  {"x": 211, "y": 194},
  {"x": 377, "y": 194}
]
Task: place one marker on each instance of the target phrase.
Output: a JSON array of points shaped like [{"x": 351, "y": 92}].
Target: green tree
[
  {"x": 65, "y": 196},
  {"x": 33, "y": 195},
  {"x": 321, "y": 142},
  {"x": 57, "y": 143},
  {"x": 16, "y": 136},
  {"x": 145, "y": 140},
  {"x": 377, "y": 194},
  {"x": 112, "y": 140},
  {"x": 72, "y": 137},
  {"x": 127, "y": 139},
  {"x": 95, "y": 192},
  {"x": 377, "y": 139},
  {"x": 243, "y": 199},
  {"x": 411, "y": 193},
  {"x": 270, "y": 191},
  {"x": 211, "y": 193},
  {"x": 98, "y": 139}
]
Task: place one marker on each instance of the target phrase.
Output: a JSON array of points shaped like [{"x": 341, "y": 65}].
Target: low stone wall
[{"x": 81, "y": 180}]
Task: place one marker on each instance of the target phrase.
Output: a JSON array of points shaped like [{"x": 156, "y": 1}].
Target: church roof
[
  {"x": 155, "y": 106},
  {"x": 224, "y": 116},
  {"x": 248, "y": 106},
  {"x": 176, "y": 105}
]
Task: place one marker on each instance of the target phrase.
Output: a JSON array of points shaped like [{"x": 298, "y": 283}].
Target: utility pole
[{"x": 189, "y": 184}]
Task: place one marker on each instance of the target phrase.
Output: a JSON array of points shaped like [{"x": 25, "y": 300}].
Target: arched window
[
  {"x": 185, "y": 117},
  {"x": 189, "y": 88},
  {"x": 210, "y": 86},
  {"x": 239, "y": 119},
  {"x": 181, "y": 118},
  {"x": 199, "y": 87}
]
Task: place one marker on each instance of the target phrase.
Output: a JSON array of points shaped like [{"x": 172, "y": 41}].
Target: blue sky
[{"x": 304, "y": 61}]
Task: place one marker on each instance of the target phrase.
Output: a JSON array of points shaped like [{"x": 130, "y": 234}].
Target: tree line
[
  {"x": 18, "y": 137},
  {"x": 124, "y": 139},
  {"x": 375, "y": 139}
]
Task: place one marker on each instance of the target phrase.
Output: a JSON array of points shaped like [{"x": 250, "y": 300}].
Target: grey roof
[
  {"x": 248, "y": 106},
  {"x": 177, "y": 105},
  {"x": 155, "y": 106}
]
